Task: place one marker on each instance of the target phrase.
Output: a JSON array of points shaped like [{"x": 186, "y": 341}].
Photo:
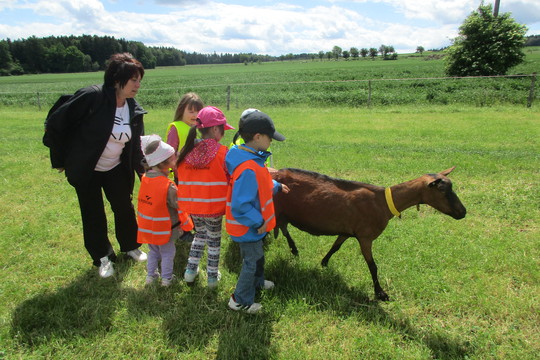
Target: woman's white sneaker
[{"x": 106, "y": 268}]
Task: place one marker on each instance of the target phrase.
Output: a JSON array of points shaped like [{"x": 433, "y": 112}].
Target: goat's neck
[{"x": 407, "y": 194}]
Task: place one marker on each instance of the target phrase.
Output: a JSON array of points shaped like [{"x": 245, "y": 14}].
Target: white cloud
[
  {"x": 265, "y": 27},
  {"x": 524, "y": 11}
]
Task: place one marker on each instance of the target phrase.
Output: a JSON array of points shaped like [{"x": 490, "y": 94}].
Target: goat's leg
[
  {"x": 290, "y": 240},
  {"x": 337, "y": 244},
  {"x": 365, "y": 246}
]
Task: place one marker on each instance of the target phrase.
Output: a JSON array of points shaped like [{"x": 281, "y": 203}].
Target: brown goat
[{"x": 321, "y": 205}]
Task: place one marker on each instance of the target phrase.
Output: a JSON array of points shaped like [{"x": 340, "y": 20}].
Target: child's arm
[
  {"x": 172, "y": 197},
  {"x": 172, "y": 138}
]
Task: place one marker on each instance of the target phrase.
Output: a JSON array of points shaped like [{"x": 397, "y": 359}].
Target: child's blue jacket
[{"x": 245, "y": 206}]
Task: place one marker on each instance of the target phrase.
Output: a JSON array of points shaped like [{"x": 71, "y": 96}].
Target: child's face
[
  {"x": 261, "y": 142},
  {"x": 170, "y": 163},
  {"x": 190, "y": 115}
]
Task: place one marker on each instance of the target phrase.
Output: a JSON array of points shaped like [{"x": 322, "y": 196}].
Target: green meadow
[
  {"x": 467, "y": 289},
  {"x": 411, "y": 80}
]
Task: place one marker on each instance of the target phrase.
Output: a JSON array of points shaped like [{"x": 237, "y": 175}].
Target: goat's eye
[{"x": 445, "y": 186}]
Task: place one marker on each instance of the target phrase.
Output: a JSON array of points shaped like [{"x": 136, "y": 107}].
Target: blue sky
[{"x": 263, "y": 27}]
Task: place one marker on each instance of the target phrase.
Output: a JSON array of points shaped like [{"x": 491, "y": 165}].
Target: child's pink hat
[{"x": 211, "y": 116}]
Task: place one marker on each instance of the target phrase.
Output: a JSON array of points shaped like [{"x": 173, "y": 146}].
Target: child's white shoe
[
  {"x": 190, "y": 275},
  {"x": 213, "y": 281},
  {"x": 250, "y": 309},
  {"x": 137, "y": 255}
]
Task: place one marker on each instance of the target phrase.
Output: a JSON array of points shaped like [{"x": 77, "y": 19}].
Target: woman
[{"x": 95, "y": 138}]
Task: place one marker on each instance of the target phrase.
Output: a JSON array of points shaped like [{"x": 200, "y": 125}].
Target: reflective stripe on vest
[
  {"x": 265, "y": 188},
  {"x": 203, "y": 190},
  {"x": 153, "y": 217},
  {"x": 186, "y": 223}
]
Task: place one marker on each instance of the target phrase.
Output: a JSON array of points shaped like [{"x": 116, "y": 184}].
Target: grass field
[
  {"x": 300, "y": 83},
  {"x": 467, "y": 289}
]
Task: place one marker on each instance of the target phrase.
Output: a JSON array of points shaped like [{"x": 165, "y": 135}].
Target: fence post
[
  {"x": 228, "y": 96},
  {"x": 38, "y": 102},
  {"x": 369, "y": 94},
  {"x": 531, "y": 91}
]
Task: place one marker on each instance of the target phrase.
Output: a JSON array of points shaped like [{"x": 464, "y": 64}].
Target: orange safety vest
[
  {"x": 203, "y": 190},
  {"x": 265, "y": 185},
  {"x": 153, "y": 215}
]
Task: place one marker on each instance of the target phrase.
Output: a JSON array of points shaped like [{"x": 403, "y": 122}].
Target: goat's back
[{"x": 322, "y": 205}]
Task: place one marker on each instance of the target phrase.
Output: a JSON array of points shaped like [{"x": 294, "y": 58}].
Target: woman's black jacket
[{"x": 80, "y": 129}]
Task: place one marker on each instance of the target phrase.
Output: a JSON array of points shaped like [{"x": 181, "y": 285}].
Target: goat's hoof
[
  {"x": 381, "y": 295},
  {"x": 324, "y": 263},
  {"x": 294, "y": 252}
]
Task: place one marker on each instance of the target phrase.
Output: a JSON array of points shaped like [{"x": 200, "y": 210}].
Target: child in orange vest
[
  {"x": 250, "y": 208},
  {"x": 157, "y": 214},
  {"x": 202, "y": 190}
]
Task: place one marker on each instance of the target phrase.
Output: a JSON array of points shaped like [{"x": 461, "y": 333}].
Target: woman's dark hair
[{"x": 121, "y": 68}]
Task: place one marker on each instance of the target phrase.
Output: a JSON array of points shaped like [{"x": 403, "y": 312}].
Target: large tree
[
  {"x": 486, "y": 45},
  {"x": 337, "y": 51},
  {"x": 6, "y": 61}
]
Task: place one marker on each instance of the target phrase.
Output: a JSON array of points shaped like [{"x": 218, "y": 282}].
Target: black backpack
[{"x": 61, "y": 100}]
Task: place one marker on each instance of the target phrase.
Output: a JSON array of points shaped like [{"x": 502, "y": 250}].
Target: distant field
[{"x": 312, "y": 83}]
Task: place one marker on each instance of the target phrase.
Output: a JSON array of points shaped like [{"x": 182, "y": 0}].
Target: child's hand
[
  {"x": 285, "y": 189},
  {"x": 262, "y": 229}
]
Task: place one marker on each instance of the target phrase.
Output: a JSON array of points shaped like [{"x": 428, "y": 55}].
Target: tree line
[{"x": 59, "y": 54}]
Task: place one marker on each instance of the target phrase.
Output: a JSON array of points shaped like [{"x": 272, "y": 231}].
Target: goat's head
[{"x": 439, "y": 194}]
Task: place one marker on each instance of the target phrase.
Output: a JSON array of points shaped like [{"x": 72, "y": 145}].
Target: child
[
  {"x": 157, "y": 213},
  {"x": 250, "y": 210},
  {"x": 184, "y": 118},
  {"x": 202, "y": 190}
]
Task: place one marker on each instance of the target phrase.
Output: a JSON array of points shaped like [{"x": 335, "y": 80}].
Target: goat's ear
[
  {"x": 434, "y": 183},
  {"x": 447, "y": 171}
]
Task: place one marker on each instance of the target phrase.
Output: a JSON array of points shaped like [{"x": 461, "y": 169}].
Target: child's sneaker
[
  {"x": 190, "y": 275},
  {"x": 150, "y": 279},
  {"x": 167, "y": 282},
  {"x": 213, "y": 280},
  {"x": 268, "y": 285},
  {"x": 137, "y": 255},
  {"x": 106, "y": 268},
  {"x": 250, "y": 309}
]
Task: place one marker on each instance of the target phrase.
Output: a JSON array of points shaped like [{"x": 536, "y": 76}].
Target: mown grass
[
  {"x": 465, "y": 289},
  {"x": 313, "y": 83}
]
